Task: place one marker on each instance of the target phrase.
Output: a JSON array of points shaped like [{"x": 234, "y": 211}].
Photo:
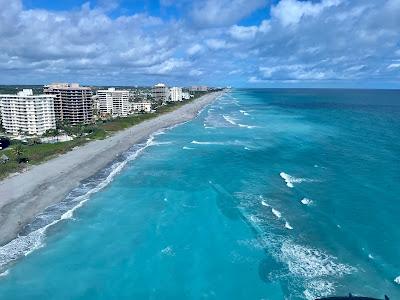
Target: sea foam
[{"x": 306, "y": 201}]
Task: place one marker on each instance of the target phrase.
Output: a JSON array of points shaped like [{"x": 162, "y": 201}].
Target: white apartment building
[
  {"x": 176, "y": 94},
  {"x": 114, "y": 102},
  {"x": 141, "y": 107},
  {"x": 26, "y": 113},
  {"x": 160, "y": 92}
]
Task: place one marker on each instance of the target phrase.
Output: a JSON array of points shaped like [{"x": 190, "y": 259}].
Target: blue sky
[{"x": 243, "y": 43}]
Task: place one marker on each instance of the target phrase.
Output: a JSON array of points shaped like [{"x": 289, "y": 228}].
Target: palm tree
[{"x": 18, "y": 151}]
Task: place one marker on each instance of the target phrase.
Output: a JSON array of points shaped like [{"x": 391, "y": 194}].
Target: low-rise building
[
  {"x": 175, "y": 94},
  {"x": 185, "y": 95},
  {"x": 141, "y": 107},
  {"x": 26, "y": 113},
  {"x": 114, "y": 102}
]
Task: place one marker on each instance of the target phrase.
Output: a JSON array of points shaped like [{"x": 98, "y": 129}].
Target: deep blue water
[{"x": 268, "y": 194}]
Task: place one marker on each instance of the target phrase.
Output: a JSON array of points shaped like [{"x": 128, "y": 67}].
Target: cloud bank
[{"x": 296, "y": 43}]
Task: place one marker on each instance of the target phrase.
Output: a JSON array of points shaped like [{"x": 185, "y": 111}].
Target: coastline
[{"x": 26, "y": 195}]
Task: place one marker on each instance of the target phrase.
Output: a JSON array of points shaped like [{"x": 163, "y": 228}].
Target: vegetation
[{"x": 35, "y": 152}]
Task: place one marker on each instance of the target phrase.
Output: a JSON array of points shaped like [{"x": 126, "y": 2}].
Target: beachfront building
[
  {"x": 72, "y": 103},
  {"x": 160, "y": 92},
  {"x": 114, "y": 102},
  {"x": 25, "y": 113},
  {"x": 141, "y": 107},
  {"x": 202, "y": 88},
  {"x": 185, "y": 95},
  {"x": 175, "y": 94}
]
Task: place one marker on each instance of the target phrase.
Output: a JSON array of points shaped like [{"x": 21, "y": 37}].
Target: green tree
[{"x": 18, "y": 152}]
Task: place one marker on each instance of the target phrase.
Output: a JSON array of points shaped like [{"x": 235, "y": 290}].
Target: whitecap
[
  {"x": 370, "y": 256},
  {"x": 244, "y": 112},
  {"x": 291, "y": 179},
  {"x": 246, "y": 126},
  {"x": 306, "y": 201},
  {"x": 229, "y": 120},
  {"x": 187, "y": 148},
  {"x": 169, "y": 251},
  {"x": 397, "y": 280},
  {"x": 276, "y": 212},
  {"x": 264, "y": 203},
  {"x": 206, "y": 143},
  {"x": 5, "y": 273},
  {"x": 287, "y": 225}
]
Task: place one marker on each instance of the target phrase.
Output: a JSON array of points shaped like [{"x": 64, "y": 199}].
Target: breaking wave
[
  {"x": 277, "y": 213},
  {"x": 290, "y": 180},
  {"x": 232, "y": 121}
]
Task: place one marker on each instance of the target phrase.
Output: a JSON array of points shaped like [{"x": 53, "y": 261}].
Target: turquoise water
[{"x": 268, "y": 194}]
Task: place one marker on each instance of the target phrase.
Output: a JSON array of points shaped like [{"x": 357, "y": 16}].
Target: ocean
[{"x": 267, "y": 194}]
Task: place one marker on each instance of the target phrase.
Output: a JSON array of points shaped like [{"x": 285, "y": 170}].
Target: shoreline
[{"x": 28, "y": 194}]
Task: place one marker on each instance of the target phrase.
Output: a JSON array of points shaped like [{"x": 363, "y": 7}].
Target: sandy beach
[{"x": 25, "y": 195}]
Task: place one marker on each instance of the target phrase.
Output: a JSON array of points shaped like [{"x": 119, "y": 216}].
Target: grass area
[{"x": 38, "y": 153}]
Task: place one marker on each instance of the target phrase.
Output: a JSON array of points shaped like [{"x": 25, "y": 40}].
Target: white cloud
[
  {"x": 393, "y": 66},
  {"x": 195, "y": 49},
  {"x": 301, "y": 41},
  {"x": 290, "y": 12},
  {"x": 243, "y": 33},
  {"x": 196, "y": 73},
  {"x": 217, "y": 44}
]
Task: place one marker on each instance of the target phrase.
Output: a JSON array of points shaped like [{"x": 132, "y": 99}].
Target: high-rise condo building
[
  {"x": 160, "y": 92},
  {"x": 114, "y": 102},
  {"x": 176, "y": 94},
  {"x": 26, "y": 113},
  {"x": 72, "y": 103}
]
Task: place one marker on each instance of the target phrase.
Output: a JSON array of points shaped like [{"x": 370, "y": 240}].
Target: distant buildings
[
  {"x": 176, "y": 94},
  {"x": 198, "y": 89},
  {"x": 141, "y": 107},
  {"x": 160, "y": 92},
  {"x": 72, "y": 103},
  {"x": 26, "y": 113},
  {"x": 114, "y": 102}
]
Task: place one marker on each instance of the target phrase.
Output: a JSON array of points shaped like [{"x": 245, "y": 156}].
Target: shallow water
[{"x": 267, "y": 194}]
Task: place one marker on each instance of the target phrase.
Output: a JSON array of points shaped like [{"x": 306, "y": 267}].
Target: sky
[{"x": 241, "y": 43}]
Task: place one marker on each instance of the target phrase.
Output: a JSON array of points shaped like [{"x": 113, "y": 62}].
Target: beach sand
[{"x": 25, "y": 195}]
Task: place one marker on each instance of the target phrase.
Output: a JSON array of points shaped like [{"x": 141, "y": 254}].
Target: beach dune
[{"x": 25, "y": 195}]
